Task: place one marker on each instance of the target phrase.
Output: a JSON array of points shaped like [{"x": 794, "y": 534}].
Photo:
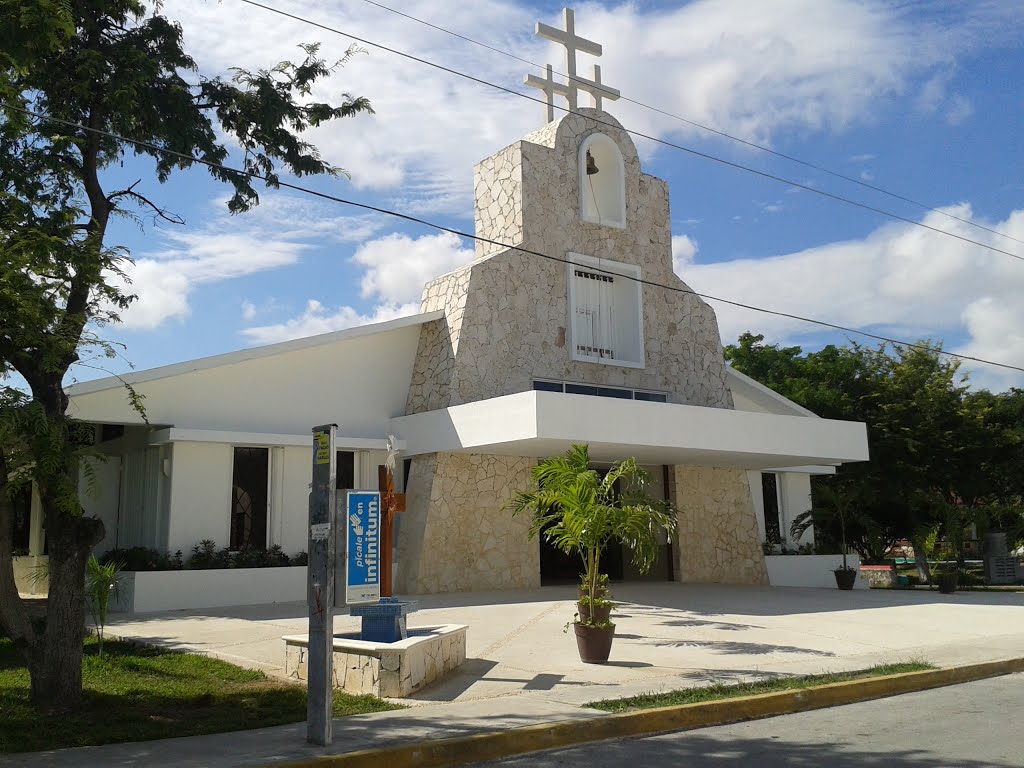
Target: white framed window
[
  {"x": 605, "y": 311},
  {"x": 602, "y": 182}
]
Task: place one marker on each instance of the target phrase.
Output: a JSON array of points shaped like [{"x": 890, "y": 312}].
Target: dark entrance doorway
[{"x": 557, "y": 567}]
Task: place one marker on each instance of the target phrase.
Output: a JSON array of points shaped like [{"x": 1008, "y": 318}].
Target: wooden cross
[
  {"x": 572, "y": 43},
  {"x": 391, "y": 503}
]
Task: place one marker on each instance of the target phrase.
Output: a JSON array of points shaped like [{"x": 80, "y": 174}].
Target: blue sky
[{"x": 920, "y": 98}]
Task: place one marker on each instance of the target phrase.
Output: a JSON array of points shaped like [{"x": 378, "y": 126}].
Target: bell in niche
[{"x": 591, "y": 165}]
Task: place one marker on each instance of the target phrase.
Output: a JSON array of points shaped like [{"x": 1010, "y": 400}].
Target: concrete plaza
[
  {"x": 667, "y": 636},
  {"x": 522, "y": 670}
]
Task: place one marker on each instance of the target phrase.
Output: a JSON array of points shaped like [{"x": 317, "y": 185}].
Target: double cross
[{"x": 570, "y": 92}]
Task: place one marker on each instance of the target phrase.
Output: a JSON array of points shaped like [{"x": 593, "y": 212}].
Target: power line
[
  {"x": 639, "y": 134},
  {"x": 442, "y": 228},
  {"x": 716, "y": 131}
]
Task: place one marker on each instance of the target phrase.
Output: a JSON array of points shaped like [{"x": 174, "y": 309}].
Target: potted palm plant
[
  {"x": 580, "y": 511},
  {"x": 836, "y": 501}
]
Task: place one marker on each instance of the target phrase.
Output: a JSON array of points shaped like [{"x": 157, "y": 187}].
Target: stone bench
[{"x": 394, "y": 670}]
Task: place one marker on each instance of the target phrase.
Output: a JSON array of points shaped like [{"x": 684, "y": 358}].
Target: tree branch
[{"x": 158, "y": 212}]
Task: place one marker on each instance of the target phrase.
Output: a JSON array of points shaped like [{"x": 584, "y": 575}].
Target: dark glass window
[
  {"x": 651, "y": 397},
  {"x": 346, "y": 470},
  {"x": 21, "y": 525},
  {"x": 623, "y": 394},
  {"x": 581, "y": 389},
  {"x": 249, "y": 498},
  {"x": 548, "y": 386},
  {"x": 770, "y": 492},
  {"x": 111, "y": 432}
]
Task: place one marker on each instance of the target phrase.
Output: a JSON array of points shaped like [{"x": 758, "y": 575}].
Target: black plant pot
[
  {"x": 947, "y": 583},
  {"x": 594, "y": 643},
  {"x": 845, "y": 577}
]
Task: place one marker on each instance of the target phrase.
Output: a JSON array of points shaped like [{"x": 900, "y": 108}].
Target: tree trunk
[
  {"x": 55, "y": 663},
  {"x": 924, "y": 573}
]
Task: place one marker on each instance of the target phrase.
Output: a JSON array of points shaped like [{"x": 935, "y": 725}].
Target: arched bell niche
[{"x": 602, "y": 182}]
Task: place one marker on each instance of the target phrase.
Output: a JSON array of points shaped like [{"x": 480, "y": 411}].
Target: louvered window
[{"x": 605, "y": 312}]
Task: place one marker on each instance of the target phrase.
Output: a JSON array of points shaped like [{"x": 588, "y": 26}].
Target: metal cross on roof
[{"x": 572, "y": 42}]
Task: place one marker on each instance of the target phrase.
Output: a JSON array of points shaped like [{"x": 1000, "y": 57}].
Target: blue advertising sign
[{"x": 362, "y": 567}]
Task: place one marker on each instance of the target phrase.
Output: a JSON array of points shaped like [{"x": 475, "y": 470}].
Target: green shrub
[
  {"x": 206, "y": 555},
  {"x": 143, "y": 559}
]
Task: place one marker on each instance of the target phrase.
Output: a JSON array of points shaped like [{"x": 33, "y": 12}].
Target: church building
[{"x": 569, "y": 326}]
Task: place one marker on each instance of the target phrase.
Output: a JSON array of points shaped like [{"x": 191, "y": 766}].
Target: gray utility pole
[{"x": 320, "y": 589}]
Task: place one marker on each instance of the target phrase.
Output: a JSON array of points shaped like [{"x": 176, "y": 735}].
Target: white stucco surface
[
  {"x": 809, "y": 570},
  {"x": 357, "y": 378},
  {"x": 147, "y": 591},
  {"x": 544, "y": 423},
  {"x": 200, "y": 495}
]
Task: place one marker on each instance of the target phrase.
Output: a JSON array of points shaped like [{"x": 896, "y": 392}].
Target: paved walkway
[{"x": 522, "y": 669}]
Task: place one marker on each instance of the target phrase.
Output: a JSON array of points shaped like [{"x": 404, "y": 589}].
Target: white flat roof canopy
[{"x": 546, "y": 423}]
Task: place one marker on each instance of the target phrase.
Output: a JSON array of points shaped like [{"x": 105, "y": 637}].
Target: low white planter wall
[
  {"x": 809, "y": 570},
  {"x": 144, "y": 591},
  {"x": 30, "y": 575}
]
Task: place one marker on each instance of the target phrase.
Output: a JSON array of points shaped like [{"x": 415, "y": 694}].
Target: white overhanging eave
[
  {"x": 545, "y": 423},
  {"x": 342, "y": 442}
]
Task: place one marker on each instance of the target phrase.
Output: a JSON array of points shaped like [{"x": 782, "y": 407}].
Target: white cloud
[
  {"x": 958, "y": 109},
  {"x": 751, "y": 69},
  {"x": 318, "y": 319},
  {"x": 164, "y": 280},
  {"x": 273, "y": 235},
  {"x": 397, "y": 265},
  {"x": 684, "y": 248},
  {"x": 901, "y": 280}
]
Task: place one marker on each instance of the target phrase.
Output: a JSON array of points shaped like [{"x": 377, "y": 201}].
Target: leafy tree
[
  {"x": 119, "y": 67},
  {"x": 924, "y": 440}
]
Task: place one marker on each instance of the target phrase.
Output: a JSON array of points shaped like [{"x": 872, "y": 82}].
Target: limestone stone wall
[
  {"x": 507, "y": 314},
  {"x": 718, "y": 534},
  {"x": 385, "y": 669},
  {"x": 455, "y": 534},
  {"x": 438, "y": 342},
  {"x": 497, "y": 187}
]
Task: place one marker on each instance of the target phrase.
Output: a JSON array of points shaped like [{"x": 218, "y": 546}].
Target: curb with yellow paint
[{"x": 559, "y": 735}]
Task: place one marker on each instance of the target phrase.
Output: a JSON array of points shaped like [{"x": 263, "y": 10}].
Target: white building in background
[{"x": 574, "y": 330}]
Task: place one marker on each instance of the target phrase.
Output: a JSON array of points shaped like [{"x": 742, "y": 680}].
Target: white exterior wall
[
  {"x": 200, "y": 495},
  {"x": 360, "y": 381},
  {"x": 293, "y": 517},
  {"x": 794, "y": 489},
  {"x": 795, "y": 499}
]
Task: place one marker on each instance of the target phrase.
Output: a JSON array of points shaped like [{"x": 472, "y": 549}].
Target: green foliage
[
  {"x": 579, "y": 511},
  {"x": 143, "y": 559},
  {"x": 100, "y": 585},
  {"x": 940, "y": 453},
  {"x": 718, "y": 691},
  {"x": 116, "y": 67},
  {"x": 135, "y": 693},
  {"x": 206, "y": 555}
]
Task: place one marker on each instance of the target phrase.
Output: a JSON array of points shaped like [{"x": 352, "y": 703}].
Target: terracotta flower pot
[{"x": 594, "y": 643}]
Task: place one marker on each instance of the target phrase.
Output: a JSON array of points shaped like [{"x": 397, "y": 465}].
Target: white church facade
[{"x": 569, "y": 326}]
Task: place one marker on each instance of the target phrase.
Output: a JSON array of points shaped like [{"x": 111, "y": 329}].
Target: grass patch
[
  {"x": 718, "y": 691},
  {"x": 133, "y": 693}
]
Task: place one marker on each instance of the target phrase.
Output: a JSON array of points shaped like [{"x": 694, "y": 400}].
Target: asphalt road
[{"x": 965, "y": 726}]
